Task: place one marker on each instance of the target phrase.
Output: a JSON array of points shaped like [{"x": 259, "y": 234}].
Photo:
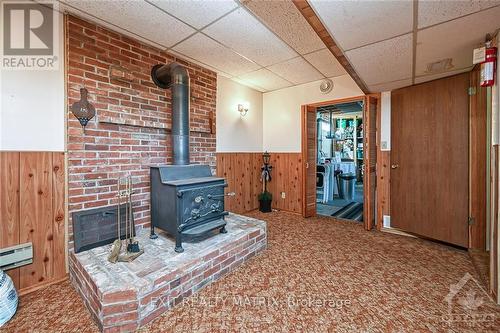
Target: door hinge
[
  {"x": 471, "y": 91},
  {"x": 471, "y": 220}
]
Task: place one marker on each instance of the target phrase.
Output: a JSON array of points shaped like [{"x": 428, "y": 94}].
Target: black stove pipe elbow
[{"x": 175, "y": 77}]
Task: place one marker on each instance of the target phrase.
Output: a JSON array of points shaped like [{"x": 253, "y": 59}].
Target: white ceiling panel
[
  {"x": 202, "y": 64},
  {"x": 426, "y": 78},
  {"x": 455, "y": 39},
  {"x": 197, "y": 13},
  {"x": 388, "y": 86},
  {"x": 246, "y": 35},
  {"x": 326, "y": 63},
  {"x": 131, "y": 15},
  {"x": 356, "y": 23},
  {"x": 386, "y": 61},
  {"x": 65, "y": 8},
  {"x": 432, "y": 12},
  {"x": 248, "y": 84},
  {"x": 206, "y": 50},
  {"x": 296, "y": 70},
  {"x": 265, "y": 79},
  {"x": 288, "y": 23}
]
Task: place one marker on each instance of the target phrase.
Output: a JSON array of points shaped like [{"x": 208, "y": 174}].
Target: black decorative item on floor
[{"x": 265, "y": 198}]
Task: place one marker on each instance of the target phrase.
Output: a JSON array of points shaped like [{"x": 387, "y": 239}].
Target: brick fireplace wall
[{"x": 131, "y": 130}]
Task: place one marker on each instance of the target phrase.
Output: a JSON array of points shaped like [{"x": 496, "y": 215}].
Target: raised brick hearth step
[{"x": 125, "y": 296}]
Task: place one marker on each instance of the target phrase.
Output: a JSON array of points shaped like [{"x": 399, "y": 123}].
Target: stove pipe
[{"x": 176, "y": 77}]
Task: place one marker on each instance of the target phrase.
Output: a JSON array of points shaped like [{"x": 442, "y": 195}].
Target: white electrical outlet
[
  {"x": 387, "y": 221},
  {"x": 283, "y": 195}
]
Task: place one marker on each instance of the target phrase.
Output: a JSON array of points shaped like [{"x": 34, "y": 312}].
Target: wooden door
[
  {"x": 429, "y": 159},
  {"x": 370, "y": 159},
  {"x": 309, "y": 159},
  {"x": 477, "y": 162}
]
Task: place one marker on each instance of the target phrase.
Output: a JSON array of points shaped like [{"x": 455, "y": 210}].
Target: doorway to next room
[{"x": 339, "y": 165}]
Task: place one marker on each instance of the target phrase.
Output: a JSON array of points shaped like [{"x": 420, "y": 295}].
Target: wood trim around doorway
[{"x": 303, "y": 111}]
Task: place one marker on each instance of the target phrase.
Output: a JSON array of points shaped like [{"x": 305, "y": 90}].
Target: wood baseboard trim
[{"x": 25, "y": 291}]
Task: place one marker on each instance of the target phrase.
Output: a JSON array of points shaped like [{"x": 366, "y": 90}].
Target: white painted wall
[
  {"x": 282, "y": 127},
  {"x": 385, "y": 120},
  {"x": 235, "y": 133},
  {"x": 32, "y": 107}
]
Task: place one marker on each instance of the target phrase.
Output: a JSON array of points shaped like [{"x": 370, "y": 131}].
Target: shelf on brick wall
[{"x": 145, "y": 124}]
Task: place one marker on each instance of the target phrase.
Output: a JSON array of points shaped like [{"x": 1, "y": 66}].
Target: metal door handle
[
  {"x": 307, "y": 165},
  {"x": 394, "y": 166}
]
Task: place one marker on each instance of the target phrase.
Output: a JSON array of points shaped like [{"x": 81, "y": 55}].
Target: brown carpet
[
  {"x": 318, "y": 275},
  {"x": 481, "y": 261}
]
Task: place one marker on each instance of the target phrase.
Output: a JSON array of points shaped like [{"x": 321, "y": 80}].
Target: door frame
[
  {"x": 303, "y": 110},
  {"x": 368, "y": 208}
]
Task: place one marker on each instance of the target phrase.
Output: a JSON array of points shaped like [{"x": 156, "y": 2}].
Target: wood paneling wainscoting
[
  {"x": 242, "y": 172},
  {"x": 32, "y": 209}
]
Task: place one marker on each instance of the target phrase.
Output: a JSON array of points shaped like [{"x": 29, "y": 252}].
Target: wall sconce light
[
  {"x": 242, "y": 110},
  {"x": 83, "y": 110}
]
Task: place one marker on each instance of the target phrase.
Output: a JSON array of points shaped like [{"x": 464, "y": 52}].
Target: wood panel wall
[
  {"x": 242, "y": 172},
  {"x": 32, "y": 209}
]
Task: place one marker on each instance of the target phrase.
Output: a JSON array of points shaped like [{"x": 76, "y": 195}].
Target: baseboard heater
[{"x": 16, "y": 256}]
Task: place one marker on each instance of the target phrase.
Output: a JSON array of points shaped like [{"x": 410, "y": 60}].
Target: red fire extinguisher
[{"x": 488, "y": 67}]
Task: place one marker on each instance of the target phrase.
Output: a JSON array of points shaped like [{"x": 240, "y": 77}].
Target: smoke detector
[
  {"x": 439, "y": 66},
  {"x": 326, "y": 86}
]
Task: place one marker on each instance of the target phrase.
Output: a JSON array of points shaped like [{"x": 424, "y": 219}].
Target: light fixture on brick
[
  {"x": 83, "y": 110},
  {"x": 242, "y": 109}
]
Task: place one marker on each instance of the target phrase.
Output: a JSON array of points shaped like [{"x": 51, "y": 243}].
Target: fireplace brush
[{"x": 132, "y": 249}]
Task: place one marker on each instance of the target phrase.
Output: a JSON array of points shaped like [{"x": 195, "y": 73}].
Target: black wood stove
[{"x": 186, "y": 200}]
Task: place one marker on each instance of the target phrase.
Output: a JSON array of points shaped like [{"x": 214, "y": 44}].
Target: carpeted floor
[{"x": 318, "y": 275}]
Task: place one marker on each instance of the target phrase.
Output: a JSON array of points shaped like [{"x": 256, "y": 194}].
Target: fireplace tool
[{"x": 132, "y": 249}]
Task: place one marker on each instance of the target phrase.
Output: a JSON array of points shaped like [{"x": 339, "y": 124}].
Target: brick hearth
[{"x": 125, "y": 296}]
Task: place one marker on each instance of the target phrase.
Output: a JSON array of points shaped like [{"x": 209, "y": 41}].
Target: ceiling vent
[
  {"x": 439, "y": 66},
  {"x": 326, "y": 86}
]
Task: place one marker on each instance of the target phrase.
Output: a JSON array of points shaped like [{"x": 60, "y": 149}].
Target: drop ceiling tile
[
  {"x": 208, "y": 51},
  {"x": 265, "y": 79},
  {"x": 249, "y": 85},
  {"x": 432, "y": 12},
  {"x": 326, "y": 63},
  {"x": 132, "y": 15},
  {"x": 246, "y": 35},
  {"x": 426, "y": 78},
  {"x": 356, "y": 23},
  {"x": 202, "y": 64},
  {"x": 197, "y": 13},
  {"x": 296, "y": 70},
  {"x": 288, "y": 23},
  {"x": 386, "y": 61},
  {"x": 65, "y": 8},
  {"x": 455, "y": 39},
  {"x": 388, "y": 86}
]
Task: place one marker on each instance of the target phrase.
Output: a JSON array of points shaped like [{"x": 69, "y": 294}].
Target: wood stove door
[{"x": 201, "y": 204}]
